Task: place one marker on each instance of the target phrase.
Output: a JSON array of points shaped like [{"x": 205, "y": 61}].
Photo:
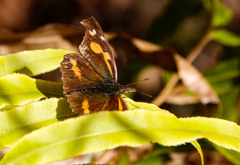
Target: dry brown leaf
[
  {"x": 150, "y": 52},
  {"x": 49, "y": 36},
  {"x": 179, "y": 97},
  {"x": 109, "y": 157},
  {"x": 128, "y": 47},
  {"x": 195, "y": 81},
  {"x": 135, "y": 154},
  {"x": 146, "y": 46}
]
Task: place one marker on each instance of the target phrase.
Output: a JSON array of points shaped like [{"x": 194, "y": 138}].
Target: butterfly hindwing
[
  {"x": 116, "y": 103},
  {"x": 96, "y": 49},
  {"x": 83, "y": 103}
]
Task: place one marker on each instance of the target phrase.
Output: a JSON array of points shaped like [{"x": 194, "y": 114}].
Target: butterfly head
[{"x": 125, "y": 89}]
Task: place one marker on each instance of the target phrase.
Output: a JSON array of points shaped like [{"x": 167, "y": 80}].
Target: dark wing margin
[
  {"x": 95, "y": 44},
  {"x": 78, "y": 73}
]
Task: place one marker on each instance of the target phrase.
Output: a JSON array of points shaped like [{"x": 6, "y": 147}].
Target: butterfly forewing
[
  {"x": 78, "y": 73},
  {"x": 96, "y": 49}
]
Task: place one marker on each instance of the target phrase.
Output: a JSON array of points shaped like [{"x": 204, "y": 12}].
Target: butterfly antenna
[
  {"x": 139, "y": 91},
  {"x": 145, "y": 94},
  {"x": 137, "y": 82}
]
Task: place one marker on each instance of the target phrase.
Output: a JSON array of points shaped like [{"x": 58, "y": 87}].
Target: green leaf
[
  {"x": 109, "y": 129},
  {"x": 19, "y": 89},
  {"x": 231, "y": 155},
  {"x": 198, "y": 147},
  {"x": 19, "y": 121},
  {"x": 123, "y": 160},
  {"x": 139, "y": 105},
  {"x": 225, "y": 37},
  {"x": 223, "y": 76},
  {"x": 223, "y": 71},
  {"x": 32, "y": 62},
  {"x": 157, "y": 160},
  {"x": 230, "y": 102},
  {"x": 221, "y": 14}
]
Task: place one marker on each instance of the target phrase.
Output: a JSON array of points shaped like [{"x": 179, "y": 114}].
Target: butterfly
[{"x": 90, "y": 76}]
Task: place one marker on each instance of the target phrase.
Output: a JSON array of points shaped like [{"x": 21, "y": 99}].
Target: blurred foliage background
[{"x": 208, "y": 29}]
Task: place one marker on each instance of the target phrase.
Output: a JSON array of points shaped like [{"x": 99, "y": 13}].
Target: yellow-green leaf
[
  {"x": 198, "y": 147},
  {"x": 32, "y": 62},
  {"x": 17, "y": 122},
  {"x": 110, "y": 129},
  {"x": 19, "y": 89}
]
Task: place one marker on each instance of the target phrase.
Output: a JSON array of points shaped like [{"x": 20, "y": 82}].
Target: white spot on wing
[
  {"x": 93, "y": 32},
  {"x": 102, "y": 38}
]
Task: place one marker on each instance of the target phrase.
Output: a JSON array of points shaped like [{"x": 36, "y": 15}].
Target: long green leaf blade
[
  {"x": 106, "y": 130},
  {"x": 19, "y": 89},
  {"x": 19, "y": 121},
  {"x": 32, "y": 62}
]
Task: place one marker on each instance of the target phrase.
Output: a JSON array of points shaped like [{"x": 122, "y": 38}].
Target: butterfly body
[
  {"x": 108, "y": 87},
  {"x": 90, "y": 76}
]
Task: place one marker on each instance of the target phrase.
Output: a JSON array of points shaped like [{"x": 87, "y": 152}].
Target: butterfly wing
[
  {"x": 96, "y": 49},
  {"x": 78, "y": 73},
  {"x": 85, "y": 104},
  {"x": 116, "y": 103}
]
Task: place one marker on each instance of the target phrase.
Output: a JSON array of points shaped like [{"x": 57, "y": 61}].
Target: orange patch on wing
[
  {"x": 85, "y": 106},
  {"x": 96, "y": 48},
  {"x": 75, "y": 69},
  {"x": 120, "y": 106}
]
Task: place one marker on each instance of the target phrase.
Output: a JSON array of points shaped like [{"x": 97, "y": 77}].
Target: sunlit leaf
[
  {"x": 109, "y": 129},
  {"x": 33, "y": 62},
  {"x": 19, "y": 121},
  {"x": 19, "y": 89},
  {"x": 225, "y": 37},
  {"x": 199, "y": 149}
]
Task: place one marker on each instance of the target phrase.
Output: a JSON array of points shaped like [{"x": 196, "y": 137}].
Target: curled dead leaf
[{"x": 195, "y": 81}]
